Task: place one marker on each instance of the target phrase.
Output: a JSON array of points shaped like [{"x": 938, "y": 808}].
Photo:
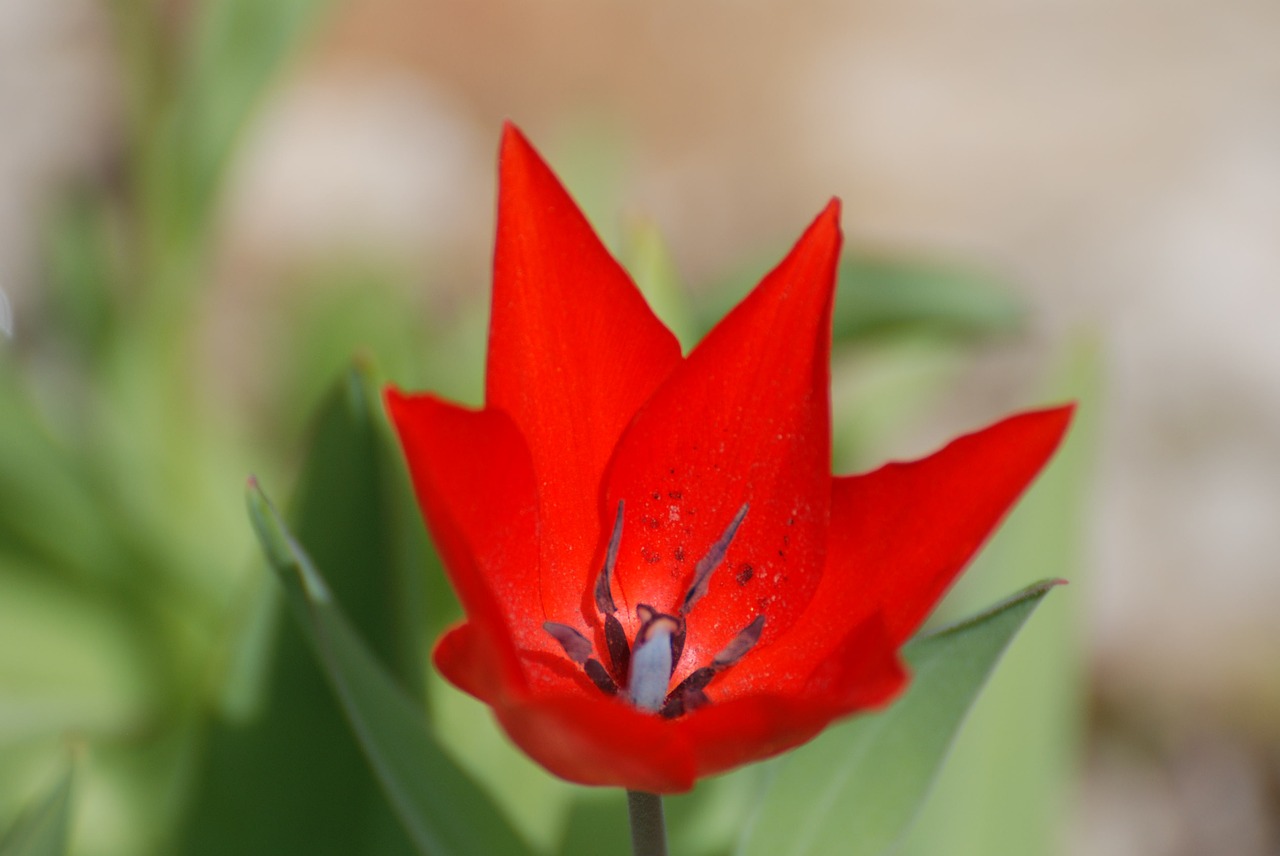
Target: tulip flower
[{"x": 661, "y": 577}]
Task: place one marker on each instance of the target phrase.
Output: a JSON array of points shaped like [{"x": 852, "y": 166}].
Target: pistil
[{"x": 652, "y": 663}]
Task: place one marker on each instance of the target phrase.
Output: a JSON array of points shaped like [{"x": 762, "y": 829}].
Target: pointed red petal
[
  {"x": 898, "y": 537},
  {"x": 862, "y": 672},
  {"x": 474, "y": 481},
  {"x": 573, "y": 352},
  {"x": 745, "y": 419},
  {"x": 901, "y": 534}
]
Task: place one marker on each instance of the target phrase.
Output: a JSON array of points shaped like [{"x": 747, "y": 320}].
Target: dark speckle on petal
[{"x": 745, "y": 573}]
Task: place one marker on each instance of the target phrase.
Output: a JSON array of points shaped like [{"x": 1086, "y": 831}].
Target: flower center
[{"x": 641, "y": 670}]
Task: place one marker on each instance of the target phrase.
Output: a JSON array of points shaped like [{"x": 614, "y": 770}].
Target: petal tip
[
  {"x": 1054, "y": 421},
  {"x": 516, "y": 152},
  {"x": 824, "y": 234},
  {"x": 512, "y": 135}
]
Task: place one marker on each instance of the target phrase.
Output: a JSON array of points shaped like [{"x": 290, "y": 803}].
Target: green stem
[{"x": 648, "y": 829}]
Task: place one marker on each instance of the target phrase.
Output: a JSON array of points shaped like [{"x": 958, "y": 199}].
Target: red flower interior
[{"x": 750, "y": 597}]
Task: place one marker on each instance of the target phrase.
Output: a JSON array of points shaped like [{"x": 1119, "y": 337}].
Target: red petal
[
  {"x": 474, "y": 482},
  {"x": 469, "y": 660},
  {"x": 601, "y": 742},
  {"x": 745, "y": 419},
  {"x": 898, "y": 537},
  {"x": 862, "y": 672},
  {"x": 573, "y": 352},
  {"x": 598, "y": 741},
  {"x": 901, "y": 535}
]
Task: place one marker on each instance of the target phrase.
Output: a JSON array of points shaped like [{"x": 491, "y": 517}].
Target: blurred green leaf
[
  {"x": 236, "y": 50},
  {"x": 891, "y": 296},
  {"x": 82, "y": 267},
  {"x": 1017, "y": 757},
  {"x": 50, "y": 515},
  {"x": 443, "y": 810},
  {"x": 536, "y": 802},
  {"x": 654, "y": 271},
  {"x": 855, "y": 790},
  {"x": 44, "y": 828},
  {"x": 347, "y": 511},
  {"x": 883, "y": 390},
  {"x": 877, "y": 295},
  {"x": 283, "y": 772},
  {"x": 342, "y": 309},
  {"x": 70, "y": 659},
  {"x": 596, "y": 823},
  {"x": 708, "y": 821}
]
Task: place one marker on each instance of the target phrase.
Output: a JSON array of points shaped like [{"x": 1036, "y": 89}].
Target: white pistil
[{"x": 651, "y": 669}]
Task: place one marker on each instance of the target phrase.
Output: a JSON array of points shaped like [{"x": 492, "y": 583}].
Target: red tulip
[{"x": 662, "y": 579}]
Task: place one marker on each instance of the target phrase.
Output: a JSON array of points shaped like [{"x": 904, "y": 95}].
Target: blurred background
[{"x": 209, "y": 210}]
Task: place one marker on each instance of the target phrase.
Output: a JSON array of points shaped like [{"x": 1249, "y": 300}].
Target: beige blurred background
[{"x": 1117, "y": 160}]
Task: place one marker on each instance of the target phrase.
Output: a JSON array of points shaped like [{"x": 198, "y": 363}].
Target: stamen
[
  {"x": 600, "y": 677},
  {"x": 741, "y": 644},
  {"x": 677, "y": 643},
  {"x": 576, "y": 646},
  {"x": 604, "y": 592},
  {"x": 708, "y": 563},
  {"x": 688, "y": 696},
  {"x": 578, "y": 649},
  {"x": 615, "y": 639}
]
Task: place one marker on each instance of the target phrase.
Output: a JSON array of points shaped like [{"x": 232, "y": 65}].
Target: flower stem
[{"x": 648, "y": 829}]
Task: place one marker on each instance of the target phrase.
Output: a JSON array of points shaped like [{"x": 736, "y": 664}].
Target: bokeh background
[{"x": 207, "y": 209}]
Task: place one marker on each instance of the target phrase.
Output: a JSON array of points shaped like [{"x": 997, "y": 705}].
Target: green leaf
[
  {"x": 855, "y": 790},
  {"x": 43, "y": 829},
  {"x": 255, "y": 797},
  {"x": 654, "y": 271},
  {"x": 348, "y": 511},
  {"x": 51, "y": 516},
  {"x": 82, "y": 269},
  {"x": 886, "y": 297},
  {"x": 881, "y": 295},
  {"x": 1020, "y": 751},
  {"x": 443, "y": 810},
  {"x": 236, "y": 50}
]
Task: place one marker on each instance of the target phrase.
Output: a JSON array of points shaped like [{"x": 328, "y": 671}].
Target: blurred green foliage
[
  {"x": 44, "y": 828},
  {"x": 138, "y": 623},
  {"x": 442, "y": 809}
]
